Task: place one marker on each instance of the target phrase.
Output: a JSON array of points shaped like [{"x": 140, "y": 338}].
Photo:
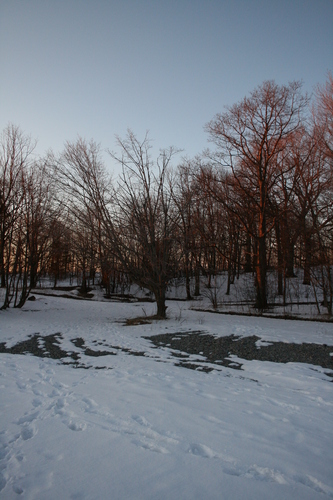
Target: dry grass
[{"x": 142, "y": 320}]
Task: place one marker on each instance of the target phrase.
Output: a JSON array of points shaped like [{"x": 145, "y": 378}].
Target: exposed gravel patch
[
  {"x": 217, "y": 350},
  {"x": 49, "y": 347},
  {"x": 183, "y": 347},
  {"x": 42, "y": 347}
]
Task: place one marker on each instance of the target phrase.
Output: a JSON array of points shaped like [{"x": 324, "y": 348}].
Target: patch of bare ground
[{"x": 142, "y": 320}]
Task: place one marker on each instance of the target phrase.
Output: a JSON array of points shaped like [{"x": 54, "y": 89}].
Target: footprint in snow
[
  {"x": 27, "y": 418},
  {"x": 3, "y": 481},
  {"x": 76, "y": 426},
  {"x": 91, "y": 405},
  {"x": 36, "y": 402},
  {"x": 22, "y": 385},
  {"x": 148, "y": 432},
  {"x": 201, "y": 450},
  {"x": 141, "y": 420},
  {"x": 54, "y": 393},
  {"x": 61, "y": 403},
  {"x": 37, "y": 392},
  {"x": 28, "y": 432},
  {"x": 265, "y": 474},
  {"x": 18, "y": 490},
  {"x": 151, "y": 446},
  {"x": 314, "y": 484}
]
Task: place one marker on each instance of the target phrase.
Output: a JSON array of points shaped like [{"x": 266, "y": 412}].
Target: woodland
[{"x": 259, "y": 201}]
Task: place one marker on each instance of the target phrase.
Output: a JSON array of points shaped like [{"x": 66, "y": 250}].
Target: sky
[{"x": 94, "y": 68}]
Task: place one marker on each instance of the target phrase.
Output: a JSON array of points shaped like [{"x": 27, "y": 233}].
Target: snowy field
[{"x": 140, "y": 427}]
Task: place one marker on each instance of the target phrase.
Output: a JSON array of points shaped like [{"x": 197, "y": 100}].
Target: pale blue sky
[{"x": 95, "y": 67}]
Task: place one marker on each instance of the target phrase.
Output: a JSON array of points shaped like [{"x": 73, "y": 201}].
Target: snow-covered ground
[{"x": 143, "y": 428}]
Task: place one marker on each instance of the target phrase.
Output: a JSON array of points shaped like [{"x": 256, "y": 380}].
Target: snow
[{"x": 143, "y": 428}]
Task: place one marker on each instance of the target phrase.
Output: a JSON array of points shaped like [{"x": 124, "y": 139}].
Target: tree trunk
[
  {"x": 261, "y": 300},
  {"x": 307, "y": 260},
  {"x": 290, "y": 260},
  {"x": 248, "y": 255},
  {"x": 2, "y": 264},
  {"x": 197, "y": 282},
  {"x": 279, "y": 259},
  {"x": 160, "y": 302},
  {"x": 187, "y": 278},
  {"x": 229, "y": 278}
]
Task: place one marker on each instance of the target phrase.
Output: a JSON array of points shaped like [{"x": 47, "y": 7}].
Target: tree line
[{"x": 260, "y": 202}]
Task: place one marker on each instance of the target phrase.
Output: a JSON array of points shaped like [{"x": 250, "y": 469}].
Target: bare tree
[
  {"x": 60, "y": 251},
  {"x": 220, "y": 227},
  {"x": 37, "y": 218},
  {"x": 27, "y": 242},
  {"x": 23, "y": 201},
  {"x": 250, "y": 138},
  {"x": 323, "y": 116},
  {"x": 15, "y": 156},
  {"x": 185, "y": 198},
  {"x": 314, "y": 211},
  {"x": 83, "y": 191},
  {"x": 134, "y": 224},
  {"x": 323, "y": 134},
  {"x": 143, "y": 226}
]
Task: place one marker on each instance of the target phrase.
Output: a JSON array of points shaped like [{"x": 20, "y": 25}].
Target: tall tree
[
  {"x": 184, "y": 195},
  {"x": 250, "y": 138},
  {"x": 143, "y": 226},
  {"x": 323, "y": 117},
  {"x": 83, "y": 188},
  {"x": 134, "y": 224},
  {"x": 15, "y": 157},
  {"x": 323, "y": 132}
]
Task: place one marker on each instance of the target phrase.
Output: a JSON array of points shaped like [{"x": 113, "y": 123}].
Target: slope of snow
[{"x": 143, "y": 428}]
